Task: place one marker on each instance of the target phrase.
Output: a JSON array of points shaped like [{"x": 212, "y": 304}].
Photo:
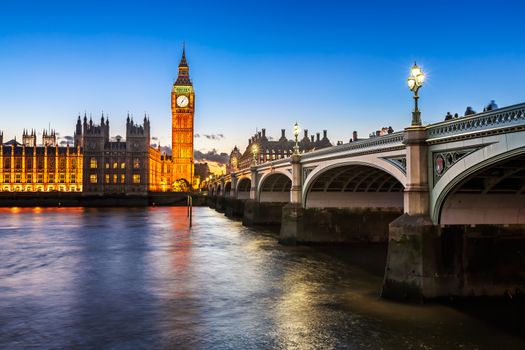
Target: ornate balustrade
[
  {"x": 361, "y": 146},
  {"x": 499, "y": 118}
]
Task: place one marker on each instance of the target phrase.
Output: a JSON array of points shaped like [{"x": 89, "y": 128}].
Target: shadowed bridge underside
[
  {"x": 494, "y": 195},
  {"x": 355, "y": 186},
  {"x": 276, "y": 188}
]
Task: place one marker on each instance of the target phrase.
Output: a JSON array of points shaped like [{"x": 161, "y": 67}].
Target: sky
[{"x": 334, "y": 65}]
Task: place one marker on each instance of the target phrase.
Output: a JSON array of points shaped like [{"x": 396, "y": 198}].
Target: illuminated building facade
[
  {"x": 182, "y": 112},
  {"x": 160, "y": 171},
  {"x": 28, "y": 167},
  {"x": 97, "y": 164}
]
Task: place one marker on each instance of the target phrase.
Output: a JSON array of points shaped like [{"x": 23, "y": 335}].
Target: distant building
[
  {"x": 271, "y": 150},
  {"x": 202, "y": 171}
]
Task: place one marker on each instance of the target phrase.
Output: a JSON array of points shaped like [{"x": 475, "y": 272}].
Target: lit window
[
  {"x": 115, "y": 165},
  {"x": 122, "y": 165},
  {"x": 106, "y": 178},
  {"x": 107, "y": 165},
  {"x": 122, "y": 179},
  {"x": 93, "y": 163},
  {"x": 114, "y": 178},
  {"x": 136, "y": 178},
  {"x": 136, "y": 163},
  {"x": 93, "y": 178}
]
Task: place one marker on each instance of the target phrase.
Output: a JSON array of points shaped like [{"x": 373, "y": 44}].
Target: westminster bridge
[{"x": 449, "y": 198}]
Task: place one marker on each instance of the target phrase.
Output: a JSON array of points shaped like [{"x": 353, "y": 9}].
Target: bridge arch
[
  {"x": 274, "y": 186},
  {"x": 243, "y": 187},
  {"x": 227, "y": 188},
  {"x": 355, "y": 184},
  {"x": 489, "y": 191}
]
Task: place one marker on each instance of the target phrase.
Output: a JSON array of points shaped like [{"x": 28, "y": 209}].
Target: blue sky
[{"x": 333, "y": 65}]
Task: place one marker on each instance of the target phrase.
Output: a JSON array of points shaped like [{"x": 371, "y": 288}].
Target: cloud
[
  {"x": 212, "y": 156},
  {"x": 213, "y": 136},
  {"x": 166, "y": 149},
  {"x": 64, "y": 141},
  {"x": 202, "y": 156}
]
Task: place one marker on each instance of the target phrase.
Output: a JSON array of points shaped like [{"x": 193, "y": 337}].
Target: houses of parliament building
[{"x": 99, "y": 164}]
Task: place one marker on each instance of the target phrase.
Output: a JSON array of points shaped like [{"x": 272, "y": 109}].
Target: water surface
[{"x": 75, "y": 278}]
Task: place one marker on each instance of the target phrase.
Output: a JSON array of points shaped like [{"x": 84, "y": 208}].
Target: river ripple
[{"x": 75, "y": 278}]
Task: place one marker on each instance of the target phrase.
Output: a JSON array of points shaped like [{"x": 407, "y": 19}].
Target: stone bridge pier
[
  {"x": 268, "y": 195},
  {"x": 463, "y": 230}
]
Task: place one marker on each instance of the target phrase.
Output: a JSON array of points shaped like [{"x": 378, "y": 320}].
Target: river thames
[{"x": 78, "y": 278}]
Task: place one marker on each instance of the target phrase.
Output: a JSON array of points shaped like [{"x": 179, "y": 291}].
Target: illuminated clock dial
[{"x": 182, "y": 101}]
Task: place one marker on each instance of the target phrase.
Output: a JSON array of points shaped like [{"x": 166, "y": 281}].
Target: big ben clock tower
[{"x": 182, "y": 112}]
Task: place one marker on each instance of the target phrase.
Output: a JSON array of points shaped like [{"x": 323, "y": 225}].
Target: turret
[
  {"x": 29, "y": 139},
  {"x": 138, "y": 134},
  {"x": 49, "y": 138},
  {"x": 283, "y": 135},
  {"x": 77, "y": 137},
  {"x": 305, "y": 139}
]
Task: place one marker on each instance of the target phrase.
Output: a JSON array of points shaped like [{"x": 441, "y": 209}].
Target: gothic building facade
[
  {"x": 114, "y": 165},
  {"x": 98, "y": 164},
  {"x": 28, "y": 167}
]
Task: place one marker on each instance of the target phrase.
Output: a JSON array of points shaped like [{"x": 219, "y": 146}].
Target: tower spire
[
  {"x": 183, "y": 62},
  {"x": 183, "y": 78}
]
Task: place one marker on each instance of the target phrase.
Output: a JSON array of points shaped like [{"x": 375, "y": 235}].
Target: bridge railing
[
  {"x": 366, "y": 145},
  {"x": 496, "y": 119}
]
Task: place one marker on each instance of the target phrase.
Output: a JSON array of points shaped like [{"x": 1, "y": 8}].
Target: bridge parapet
[
  {"x": 502, "y": 118},
  {"x": 372, "y": 145}
]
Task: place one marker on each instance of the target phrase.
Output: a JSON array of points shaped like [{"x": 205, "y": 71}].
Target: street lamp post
[
  {"x": 296, "y": 131},
  {"x": 255, "y": 151},
  {"x": 415, "y": 82}
]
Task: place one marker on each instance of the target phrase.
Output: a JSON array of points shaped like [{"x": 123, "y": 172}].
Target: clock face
[{"x": 182, "y": 101}]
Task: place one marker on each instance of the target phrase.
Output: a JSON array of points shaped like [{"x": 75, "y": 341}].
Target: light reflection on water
[{"x": 140, "y": 278}]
